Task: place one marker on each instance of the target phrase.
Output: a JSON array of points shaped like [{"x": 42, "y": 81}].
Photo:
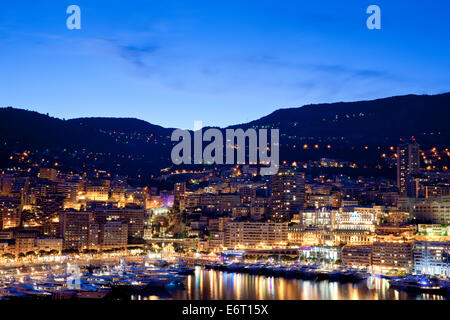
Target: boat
[
  {"x": 62, "y": 294},
  {"x": 183, "y": 270},
  {"x": 321, "y": 275},
  {"x": 361, "y": 275},
  {"x": 310, "y": 272},
  {"x": 302, "y": 271},
  {"x": 253, "y": 268},
  {"x": 94, "y": 294},
  {"x": 335, "y": 275},
  {"x": 290, "y": 272},
  {"x": 235, "y": 267},
  {"x": 414, "y": 283},
  {"x": 347, "y": 276},
  {"x": 10, "y": 294}
]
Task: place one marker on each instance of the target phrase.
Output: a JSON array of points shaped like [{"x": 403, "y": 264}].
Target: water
[{"x": 220, "y": 285}]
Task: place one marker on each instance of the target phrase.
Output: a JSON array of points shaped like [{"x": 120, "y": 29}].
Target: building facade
[
  {"x": 255, "y": 234},
  {"x": 288, "y": 193},
  {"x": 432, "y": 257}
]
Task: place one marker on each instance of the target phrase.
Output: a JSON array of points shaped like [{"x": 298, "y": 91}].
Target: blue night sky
[{"x": 222, "y": 62}]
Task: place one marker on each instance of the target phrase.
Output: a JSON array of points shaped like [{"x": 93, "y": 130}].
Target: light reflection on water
[{"x": 219, "y": 285}]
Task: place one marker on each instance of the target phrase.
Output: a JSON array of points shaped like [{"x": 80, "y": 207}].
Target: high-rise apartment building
[
  {"x": 76, "y": 230},
  {"x": 288, "y": 193},
  {"x": 408, "y": 164},
  {"x": 179, "y": 192}
]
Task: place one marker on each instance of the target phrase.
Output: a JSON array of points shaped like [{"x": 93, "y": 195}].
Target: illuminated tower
[
  {"x": 178, "y": 193},
  {"x": 408, "y": 164}
]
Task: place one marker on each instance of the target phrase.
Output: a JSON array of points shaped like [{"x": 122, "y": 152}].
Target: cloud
[
  {"x": 136, "y": 55},
  {"x": 214, "y": 73}
]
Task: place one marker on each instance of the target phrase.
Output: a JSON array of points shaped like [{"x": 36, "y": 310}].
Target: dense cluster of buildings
[
  {"x": 53, "y": 211},
  {"x": 378, "y": 223}
]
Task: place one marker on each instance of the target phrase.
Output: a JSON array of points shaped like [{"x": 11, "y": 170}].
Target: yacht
[{"x": 418, "y": 283}]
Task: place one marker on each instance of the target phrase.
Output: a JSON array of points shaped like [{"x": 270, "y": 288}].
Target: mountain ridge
[{"x": 336, "y": 130}]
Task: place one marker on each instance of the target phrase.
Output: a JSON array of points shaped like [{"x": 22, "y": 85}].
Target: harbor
[
  {"x": 113, "y": 280},
  {"x": 144, "y": 278}
]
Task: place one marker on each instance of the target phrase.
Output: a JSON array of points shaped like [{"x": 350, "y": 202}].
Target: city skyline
[
  {"x": 222, "y": 64},
  {"x": 223, "y": 156}
]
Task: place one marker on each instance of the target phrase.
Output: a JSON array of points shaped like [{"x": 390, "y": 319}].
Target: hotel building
[
  {"x": 255, "y": 235},
  {"x": 392, "y": 253},
  {"x": 357, "y": 256}
]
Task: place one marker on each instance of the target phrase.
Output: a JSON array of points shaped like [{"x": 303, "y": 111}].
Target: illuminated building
[
  {"x": 30, "y": 243},
  {"x": 370, "y": 209},
  {"x": 69, "y": 189},
  {"x": 437, "y": 191},
  {"x": 48, "y": 173},
  {"x": 132, "y": 217},
  {"x": 10, "y": 212},
  {"x": 395, "y": 230},
  {"x": 391, "y": 253},
  {"x": 179, "y": 192},
  {"x": 321, "y": 253},
  {"x": 51, "y": 204},
  {"x": 305, "y": 236},
  {"x": 255, "y": 234},
  {"x": 97, "y": 193},
  {"x": 20, "y": 185},
  {"x": 191, "y": 243},
  {"x": 398, "y": 217},
  {"x": 433, "y": 230},
  {"x": 216, "y": 239},
  {"x": 288, "y": 193},
  {"x": 357, "y": 256},
  {"x": 261, "y": 201},
  {"x": 117, "y": 194},
  {"x": 6, "y": 184},
  {"x": 349, "y": 203},
  {"x": 313, "y": 236},
  {"x": 7, "y": 246},
  {"x": 240, "y": 212},
  {"x": 433, "y": 210},
  {"x": 338, "y": 237},
  {"x": 351, "y": 219},
  {"x": 221, "y": 203},
  {"x": 432, "y": 257},
  {"x": 258, "y": 213},
  {"x": 24, "y": 245},
  {"x": 6, "y": 235},
  {"x": 49, "y": 244},
  {"x": 246, "y": 194},
  {"x": 436, "y": 210},
  {"x": 318, "y": 218},
  {"x": 222, "y": 221},
  {"x": 76, "y": 229},
  {"x": 319, "y": 201},
  {"x": 408, "y": 163},
  {"x": 114, "y": 235}
]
